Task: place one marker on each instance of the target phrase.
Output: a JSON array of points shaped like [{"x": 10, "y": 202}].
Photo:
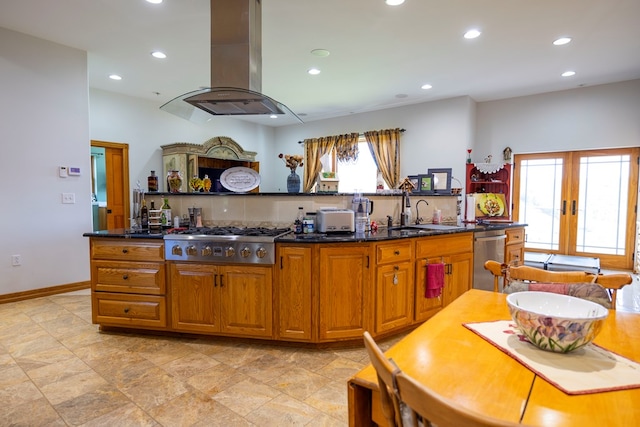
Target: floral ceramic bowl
[{"x": 556, "y": 322}]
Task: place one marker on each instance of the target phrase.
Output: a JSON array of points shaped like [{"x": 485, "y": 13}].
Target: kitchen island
[{"x": 319, "y": 289}]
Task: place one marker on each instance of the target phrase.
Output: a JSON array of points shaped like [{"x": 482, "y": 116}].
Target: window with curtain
[{"x": 358, "y": 175}]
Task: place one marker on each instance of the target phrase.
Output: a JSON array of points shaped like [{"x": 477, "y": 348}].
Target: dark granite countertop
[{"x": 381, "y": 235}]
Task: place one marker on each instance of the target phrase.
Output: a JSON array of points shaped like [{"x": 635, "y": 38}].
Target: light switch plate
[
  {"x": 68, "y": 198},
  {"x": 63, "y": 172}
]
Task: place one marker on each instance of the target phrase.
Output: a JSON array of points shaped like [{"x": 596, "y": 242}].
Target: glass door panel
[
  {"x": 540, "y": 201},
  {"x": 602, "y": 206}
]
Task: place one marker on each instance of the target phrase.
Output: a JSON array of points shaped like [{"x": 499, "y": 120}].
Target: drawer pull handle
[
  {"x": 396, "y": 252},
  {"x": 126, "y": 310},
  {"x": 125, "y": 277},
  {"x": 125, "y": 251}
]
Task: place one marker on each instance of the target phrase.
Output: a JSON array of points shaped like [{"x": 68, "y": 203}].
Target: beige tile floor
[{"x": 56, "y": 369}]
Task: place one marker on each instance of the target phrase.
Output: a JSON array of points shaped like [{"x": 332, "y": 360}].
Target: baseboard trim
[{"x": 44, "y": 292}]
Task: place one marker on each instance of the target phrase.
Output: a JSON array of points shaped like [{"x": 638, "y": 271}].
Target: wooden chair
[
  {"x": 385, "y": 371},
  {"x": 611, "y": 282},
  {"x": 425, "y": 404}
]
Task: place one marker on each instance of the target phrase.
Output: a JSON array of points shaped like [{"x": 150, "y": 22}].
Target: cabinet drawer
[
  {"x": 129, "y": 310},
  {"x": 127, "y": 250},
  {"x": 515, "y": 236},
  {"x": 444, "y": 245},
  {"x": 393, "y": 252},
  {"x": 131, "y": 277}
]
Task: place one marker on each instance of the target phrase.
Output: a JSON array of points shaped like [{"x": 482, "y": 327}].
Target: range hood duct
[{"x": 236, "y": 68}]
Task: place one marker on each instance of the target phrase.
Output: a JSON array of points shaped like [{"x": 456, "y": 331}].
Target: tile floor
[{"x": 56, "y": 369}]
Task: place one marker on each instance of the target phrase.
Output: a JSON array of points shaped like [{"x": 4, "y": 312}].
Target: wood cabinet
[
  {"x": 234, "y": 300},
  {"x": 315, "y": 292},
  {"x": 394, "y": 290},
  {"x": 293, "y": 293},
  {"x": 128, "y": 284},
  {"x": 490, "y": 178},
  {"x": 456, "y": 252},
  {"x": 344, "y": 291},
  {"x": 514, "y": 246}
]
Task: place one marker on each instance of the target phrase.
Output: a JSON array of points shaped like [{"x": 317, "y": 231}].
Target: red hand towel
[{"x": 435, "y": 280}]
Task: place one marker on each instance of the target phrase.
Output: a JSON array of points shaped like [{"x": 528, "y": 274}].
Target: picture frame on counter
[
  {"x": 415, "y": 181},
  {"x": 425, "y": 184},
  {"x": 441, "y": 180}
]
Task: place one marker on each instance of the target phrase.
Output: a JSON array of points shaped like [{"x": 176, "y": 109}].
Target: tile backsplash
[{"x": 275, "y": 210}]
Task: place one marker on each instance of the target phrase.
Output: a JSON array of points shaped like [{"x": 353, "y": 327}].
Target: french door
[{"x": 579, "y": 203}]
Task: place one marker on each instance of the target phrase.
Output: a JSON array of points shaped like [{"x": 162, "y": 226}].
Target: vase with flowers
[{"x": 292, "y": 161}]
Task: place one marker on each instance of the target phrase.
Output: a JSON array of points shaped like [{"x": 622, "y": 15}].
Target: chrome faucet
[{"x": 418, "y": 218}]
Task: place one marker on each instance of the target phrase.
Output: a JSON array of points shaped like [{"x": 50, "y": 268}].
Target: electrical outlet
[
  {"x": 16, "y": 260},
  {"x": 68, "y": 198}
]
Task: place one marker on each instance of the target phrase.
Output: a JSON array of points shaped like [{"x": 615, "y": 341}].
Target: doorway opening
[{"x": 110, "y": 185}]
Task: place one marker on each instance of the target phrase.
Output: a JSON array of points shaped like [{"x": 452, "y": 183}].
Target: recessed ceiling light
[
  {"x": 568, "y": 73},
  {"x": 394, "y": 2},
  {"x": 313, "y": 71},
  {"x": 320, "y": 52},
  {"x": 472, "y": 34},
  {"x": 274, "y": 116},
  {"x": 154, "y": 1},
  {"x": 426, "y": 86},
  {"x": 561, "y": 41},
  {"x": 158, "y": 54},
  {"x": 115, "y": 77}
]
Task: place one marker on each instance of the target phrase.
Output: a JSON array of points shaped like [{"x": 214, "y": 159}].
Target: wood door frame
[
  {"x": 570, "y": 179},
  {"x": 123, "y": 148}
]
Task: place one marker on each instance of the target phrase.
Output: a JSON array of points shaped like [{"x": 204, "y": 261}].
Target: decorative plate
[
  {"x": 240, "y": 179},
  {"x": 489, "y": 204}
]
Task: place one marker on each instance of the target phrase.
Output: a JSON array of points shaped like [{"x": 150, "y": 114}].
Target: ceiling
[{"x": 379, "y": 55}]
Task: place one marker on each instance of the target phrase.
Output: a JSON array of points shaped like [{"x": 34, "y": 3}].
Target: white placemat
[{"x": 590, "y": 369}]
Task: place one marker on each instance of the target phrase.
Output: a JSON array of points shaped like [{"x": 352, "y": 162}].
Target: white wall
[
  {"x": 585, "y": 118},
  {"x": 45, "y": 124}
]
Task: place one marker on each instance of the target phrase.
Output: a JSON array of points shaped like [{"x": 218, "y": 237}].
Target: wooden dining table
[{"x": 464, "y": 367}]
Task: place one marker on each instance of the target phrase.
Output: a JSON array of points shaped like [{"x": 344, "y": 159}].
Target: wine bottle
[
  {"x": 165, "y": 216},
  {"x": 144, "y": 215}
]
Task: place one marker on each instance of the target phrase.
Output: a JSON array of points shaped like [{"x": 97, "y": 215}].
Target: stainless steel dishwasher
[{"x": 487, "y": 245}]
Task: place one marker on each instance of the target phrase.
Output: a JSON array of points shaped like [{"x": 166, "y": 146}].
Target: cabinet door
[
  {"x": 458, "y": 277},
  {"x": 246, "y": 300},
  {"x": 344, "y": 281},
  {"x": 394, "y": 296},
  {"x": 294, "y": 293},
  {"x": 424, "y": 307},
  {"x": 195, "y": 298}
]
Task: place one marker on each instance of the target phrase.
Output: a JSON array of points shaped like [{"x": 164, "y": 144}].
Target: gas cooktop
[
  {"x": 253, "y": 245},
  {"x": 231, "y": 231}
]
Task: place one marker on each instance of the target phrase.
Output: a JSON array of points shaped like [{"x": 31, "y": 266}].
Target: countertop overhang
[{"x": 380, "y": 235}]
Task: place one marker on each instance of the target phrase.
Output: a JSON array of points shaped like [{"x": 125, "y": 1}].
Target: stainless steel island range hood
[{"x": 236, "y": 68}]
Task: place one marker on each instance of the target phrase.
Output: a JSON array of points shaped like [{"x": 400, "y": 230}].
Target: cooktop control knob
[
  {"x": 192, "y": 250},
  {"x": 176, "y": 250},
  {"x": 261, "y": 252},
  {"x": 229, "y": 252},
  {"x": 245, "y": 252},
  {"x": 206, "y": 251}
]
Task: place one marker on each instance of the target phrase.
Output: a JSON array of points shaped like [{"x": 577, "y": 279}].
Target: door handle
[
  {"x": 564, "y": 207},
  {"x": 108, "y": 211},
  {"x": 573, "y": 207}
]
